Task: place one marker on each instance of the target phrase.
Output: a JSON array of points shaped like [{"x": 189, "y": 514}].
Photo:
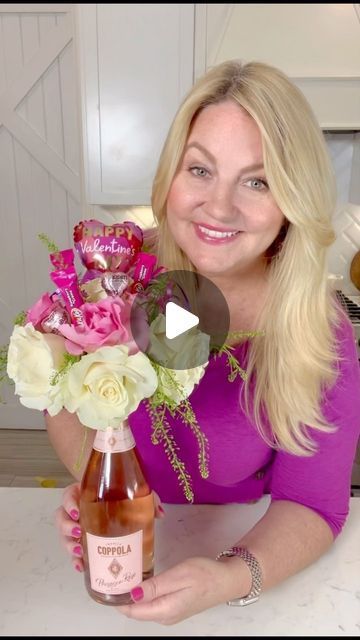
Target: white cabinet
[
  {"x": 136, "y": 64},
  {"x": 317, "y": 45}
]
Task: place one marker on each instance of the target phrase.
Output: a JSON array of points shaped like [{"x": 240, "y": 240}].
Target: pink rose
[
  {"x": 106, "y": 323},
  {"x": 40, "y": 310}
]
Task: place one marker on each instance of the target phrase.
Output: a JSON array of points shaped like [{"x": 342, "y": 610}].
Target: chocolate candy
[
  {"x": 115, "y": 283},
  {"x": 56, "y": 317}
]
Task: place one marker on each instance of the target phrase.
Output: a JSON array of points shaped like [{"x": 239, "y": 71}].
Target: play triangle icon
[{"x": 178, "y": 320}]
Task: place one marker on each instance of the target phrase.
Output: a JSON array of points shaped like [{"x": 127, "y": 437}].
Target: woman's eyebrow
[
  {"x": 199, "y": 146},
  {"x": 256, "y": 166}
]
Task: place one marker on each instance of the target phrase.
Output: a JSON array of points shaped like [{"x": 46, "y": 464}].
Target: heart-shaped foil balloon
[
  {"x": 103, "y": 247},
  {"x": 115, "y": 283}
]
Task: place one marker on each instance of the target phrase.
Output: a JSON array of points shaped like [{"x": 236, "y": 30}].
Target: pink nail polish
[
  {"x": 77, "y": 550},
  {"x": 76, "y": 532},
  {"x": 137, "y": 594},
  {"x": 78, "y": 568},
  {"x": 74, "y": 514},
  {"x": 161, "y": 509}
]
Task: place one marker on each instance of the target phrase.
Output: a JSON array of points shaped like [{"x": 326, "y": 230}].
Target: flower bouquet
[
  {"x": 87, "y": 346},
  {"x": 97, "y": 344}
]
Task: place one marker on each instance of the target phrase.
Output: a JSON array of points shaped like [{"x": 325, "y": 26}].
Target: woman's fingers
[
  {"x": 71, "y": 499},
  {"x": 68, "y": 526},
  {"x": 159, "y": 510}
]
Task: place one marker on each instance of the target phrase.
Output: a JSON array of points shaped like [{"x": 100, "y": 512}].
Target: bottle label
[
  {"x": 114, "y": 440},
  {"x": 115, "y": 564}
]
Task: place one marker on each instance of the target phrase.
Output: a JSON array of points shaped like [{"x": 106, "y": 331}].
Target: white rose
[
  {"x": 32, "y": 361},
  {"x": 187, "y": 351},
  {"x": 185, "y": 378},
  {"x": 178, "y": 357},
  {"x": 106, "y": 386}
]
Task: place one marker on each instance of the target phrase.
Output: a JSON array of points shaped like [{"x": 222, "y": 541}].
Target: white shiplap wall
[
  {"x": 39, "y": 159},
  {"x": 40, "y": 163}
]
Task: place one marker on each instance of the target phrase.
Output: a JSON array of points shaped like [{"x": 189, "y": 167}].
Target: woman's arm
[
  {"x": 67, "y": 436},
  {"x": 288, "y": 538}
]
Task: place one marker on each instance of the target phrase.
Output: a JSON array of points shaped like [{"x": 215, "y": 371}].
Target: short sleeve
[{"x": 322, "y": 482}]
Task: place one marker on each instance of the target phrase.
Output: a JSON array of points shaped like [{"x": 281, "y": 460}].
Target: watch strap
[{"x": 256, "y": 575}]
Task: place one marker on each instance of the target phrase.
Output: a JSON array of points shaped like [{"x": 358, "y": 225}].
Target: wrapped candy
[
  {"x": 57, "y": 316},
  {"x": 65, "y": 278},
  {"x": 143, "y": 271},
  {"x": 115, "y": 283}
]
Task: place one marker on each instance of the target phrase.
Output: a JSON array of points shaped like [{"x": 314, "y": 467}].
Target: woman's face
[{"x": 220, "y": 210}]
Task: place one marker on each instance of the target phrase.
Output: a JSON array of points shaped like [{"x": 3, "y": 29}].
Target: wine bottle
[{"x": 117, "y": 518}]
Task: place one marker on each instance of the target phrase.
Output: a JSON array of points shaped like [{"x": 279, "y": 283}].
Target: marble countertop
[{"x": 41, "y": 594}]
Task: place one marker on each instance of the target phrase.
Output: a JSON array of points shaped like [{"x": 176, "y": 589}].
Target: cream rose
[
  {"x": 32, "y": 361},
  {"x": 106, "y": 386},
  {"x": 184, "y": 379},
  {"x": 189, "y": 350},
  {"x": 178, "y": 357}
]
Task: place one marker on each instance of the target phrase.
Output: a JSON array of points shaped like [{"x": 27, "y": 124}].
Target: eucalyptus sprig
[
  {"x": 158, "y": 406},
  {"x": 233, "y": 363},
  {"x": 49, "y": 244},
  {"x": 4, "y": 378},
  {"x": 162, "y": 433},
  {"x": 20, "y": 319},
  {"x": 227, "y": 350},
  {"x": 184, "y": 411}
]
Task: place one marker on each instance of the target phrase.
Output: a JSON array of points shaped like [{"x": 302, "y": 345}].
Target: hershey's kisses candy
[
  {"x": 56, "y": 317},
  {"x": 115, "y": 283}
]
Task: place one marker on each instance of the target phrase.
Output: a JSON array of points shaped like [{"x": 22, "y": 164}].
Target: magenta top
[{"x": 242, "y": 467}]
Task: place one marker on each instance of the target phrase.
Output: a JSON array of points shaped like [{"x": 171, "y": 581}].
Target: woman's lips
[{"x": 213, "y": 235}]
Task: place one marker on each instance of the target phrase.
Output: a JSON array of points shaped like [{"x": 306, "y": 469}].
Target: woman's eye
[
  {"x": 199, "y": 172},
  {"x": 257, "y": 183}
]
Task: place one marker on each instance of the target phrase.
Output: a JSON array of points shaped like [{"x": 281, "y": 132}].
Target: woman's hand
[
  {"x": 69, "y": 526},
  {"x": 186, "y": 589}
]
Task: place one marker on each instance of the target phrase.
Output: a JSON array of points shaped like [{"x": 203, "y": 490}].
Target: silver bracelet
[{"x": 256, "y": 575}]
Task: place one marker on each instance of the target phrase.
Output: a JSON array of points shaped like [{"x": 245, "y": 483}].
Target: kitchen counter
[{"x": 42, "y": 595}]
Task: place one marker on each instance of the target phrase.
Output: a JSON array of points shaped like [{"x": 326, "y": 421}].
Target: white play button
[
  {"x": 178, "y": 320},
  {"x": 183, "y": 326}
]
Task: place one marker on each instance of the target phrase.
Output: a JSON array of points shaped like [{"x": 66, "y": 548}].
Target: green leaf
[
  {"x": 49, "y": 244},
  {"x": 20, "y": 319},
  {"x": 4, "y": 378}
]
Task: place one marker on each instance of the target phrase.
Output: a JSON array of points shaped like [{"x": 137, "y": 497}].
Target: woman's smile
[{"x": 214, "y": 235}]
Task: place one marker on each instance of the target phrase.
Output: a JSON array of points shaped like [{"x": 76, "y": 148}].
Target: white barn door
[{"x": 39, "y": 161}]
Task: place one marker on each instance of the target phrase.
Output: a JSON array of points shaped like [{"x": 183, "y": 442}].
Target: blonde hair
[{"x": 293, "y": 362}]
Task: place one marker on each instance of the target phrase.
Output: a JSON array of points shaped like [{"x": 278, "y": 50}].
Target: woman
[{"x": 243, "y": 195}]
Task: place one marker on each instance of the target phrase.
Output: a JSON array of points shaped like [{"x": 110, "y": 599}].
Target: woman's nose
[{"x": 220, "y": 203}]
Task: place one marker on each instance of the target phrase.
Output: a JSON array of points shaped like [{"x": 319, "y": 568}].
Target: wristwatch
[{"x": 256, "y": 575}]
